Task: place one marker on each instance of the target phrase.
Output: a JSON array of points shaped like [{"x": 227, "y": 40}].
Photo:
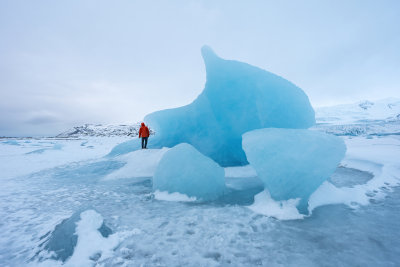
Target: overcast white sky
[{"x": 64, "y": 63}]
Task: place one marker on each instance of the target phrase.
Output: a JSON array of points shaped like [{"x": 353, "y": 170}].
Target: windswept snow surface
[
  {"x": 382, "y": 159},
  {"x": 25, "y": 156},
  {"x": 164, "y": 195},
  {"x": 139, "y": 163},
  {"x": 353, "y": 221},
  {"x": 282, "y": 210}
]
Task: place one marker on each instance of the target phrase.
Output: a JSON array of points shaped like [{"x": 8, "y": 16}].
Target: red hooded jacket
[{"x": 144, "y": 131}]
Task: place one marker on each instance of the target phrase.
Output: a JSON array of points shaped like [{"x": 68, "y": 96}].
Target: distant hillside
[
  {"x": 362, "y": 118},
  {"x": 385, "y": 109},
  {"x": 100, "y": 130}
]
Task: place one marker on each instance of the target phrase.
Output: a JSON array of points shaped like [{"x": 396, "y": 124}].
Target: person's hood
[{"x": 143, "y": 124}]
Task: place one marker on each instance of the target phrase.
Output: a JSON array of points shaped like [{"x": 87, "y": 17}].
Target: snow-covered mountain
[
  {"x": 365, "y": 111},
  {"x": 381, "y": 117},
  {"x": 100, "y": 130}
]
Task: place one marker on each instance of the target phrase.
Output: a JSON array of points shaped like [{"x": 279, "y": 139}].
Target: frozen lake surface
[{"x": 56, "y": 194}]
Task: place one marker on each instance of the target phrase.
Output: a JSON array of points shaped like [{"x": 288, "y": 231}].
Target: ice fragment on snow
[
  {"x": 293, "y": 163},
  {"x": 185, "y": 170}
]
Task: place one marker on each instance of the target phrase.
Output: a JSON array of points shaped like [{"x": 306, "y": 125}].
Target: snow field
[{"x": 221, "y": 232}]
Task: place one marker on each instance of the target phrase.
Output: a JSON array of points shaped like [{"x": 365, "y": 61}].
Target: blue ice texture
[
  {"x": 61, "y": 242},
  {"x": 10, "y": 142},
  {"x": 237, "y": 98},
  {"x": 185, "y": 170},
  {"x": 293, "y": 163}
]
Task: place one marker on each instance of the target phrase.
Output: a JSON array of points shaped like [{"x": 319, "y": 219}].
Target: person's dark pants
[{"x": 144, "y": 142}]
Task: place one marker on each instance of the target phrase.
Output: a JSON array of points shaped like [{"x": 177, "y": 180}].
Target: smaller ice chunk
[
  {"x": 293, "y": 163},
  {"x": 185, "y": 170}
]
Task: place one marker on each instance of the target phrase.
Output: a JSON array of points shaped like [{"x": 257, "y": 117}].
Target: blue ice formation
[
  {"x": 237, "y": 98},
  {"x": 185, "y": 170},
  {"x": 11, "y": 142},
  {"x": 293, "y": 163}
]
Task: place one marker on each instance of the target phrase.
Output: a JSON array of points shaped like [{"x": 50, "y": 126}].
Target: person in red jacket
[{"x": 144, "y": 133}]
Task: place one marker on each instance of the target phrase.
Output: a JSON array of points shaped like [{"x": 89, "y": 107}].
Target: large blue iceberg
[
  {"x": 293, "y": 163},
  {"x": 237, "y": 98},
  {"x": 185, "y": 170}
]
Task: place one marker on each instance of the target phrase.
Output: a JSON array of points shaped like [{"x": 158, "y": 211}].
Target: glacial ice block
[
  {"x": 237, "y": 98},
  {"x": 293, "y": 163},
  {"x": 185, "y": 170}
]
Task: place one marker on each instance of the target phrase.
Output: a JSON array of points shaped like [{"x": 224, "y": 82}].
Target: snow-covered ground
[
  {"x": 47, "y": 183},
  {"x": 65, "y": 202}
]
